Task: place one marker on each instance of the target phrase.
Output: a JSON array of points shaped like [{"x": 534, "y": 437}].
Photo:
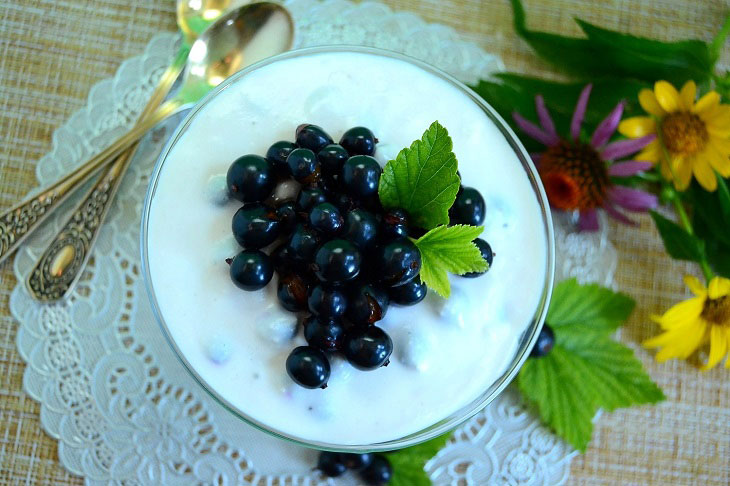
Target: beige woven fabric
[{"x": 53, "y": 51}]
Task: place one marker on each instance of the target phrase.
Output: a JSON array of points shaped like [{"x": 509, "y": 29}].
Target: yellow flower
[
  {"x": 696, "y": 135},
  {"x": 690, "y": 324}
]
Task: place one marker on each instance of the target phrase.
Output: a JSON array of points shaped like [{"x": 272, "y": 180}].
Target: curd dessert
[{"x": 445, "y": 352}]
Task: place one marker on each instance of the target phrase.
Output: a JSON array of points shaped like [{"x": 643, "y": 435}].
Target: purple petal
[
  {"x": 545, "y": 121},
  {"x": 588, "y": 220},
  {"x": 617, "y": 215},
  {"x": 580, "y": 111},
  {"x": 532, "y": 130},
  {"x": 632, "y": 199},
  {"x": 605, "y": 129},
  {"x": 629, "y": 168},
  {"x": 622, "y": 148},
  {"x": 535, "y": 156}
]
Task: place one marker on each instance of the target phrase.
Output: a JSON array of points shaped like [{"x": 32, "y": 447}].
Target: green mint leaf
[
  {"x": 607, "y": 53},
  {"x": 408, "y": 463},
  {"x": 586, "y": 370},
  {"x": 595, "y": 308},
  {"x": 449, "y": 249},
  {"x": 422, "y": 179},
  {"x": 679, "y": 243}
]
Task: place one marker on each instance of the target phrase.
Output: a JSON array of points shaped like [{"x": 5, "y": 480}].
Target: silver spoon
[{"x": 230, "y": 44}]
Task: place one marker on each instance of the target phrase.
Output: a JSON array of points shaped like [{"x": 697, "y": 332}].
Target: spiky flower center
[
  {"x": 574, "y": 176},
  {"x": 717, "y": 311},
  {"x": 684, "y": 133}
]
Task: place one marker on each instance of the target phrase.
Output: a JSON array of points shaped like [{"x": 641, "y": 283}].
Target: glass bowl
[{"x": 526, "y": 341}]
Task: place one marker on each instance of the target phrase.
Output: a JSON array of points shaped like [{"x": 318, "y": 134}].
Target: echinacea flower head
[
  {"x": 693, "y": 136},
  {"x": 577, "y": 175},
  {"x": 694, "y": 322}
]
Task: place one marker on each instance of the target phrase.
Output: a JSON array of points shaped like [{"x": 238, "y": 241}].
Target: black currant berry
[
  {"x": 331, "y": 159},
  {"x": 312, "y": 137},
  {"x": 398, "y": 262},
  {"x": 303, "y": 165},
  {"x": 292, "y": 291},
  {"x": 359, "y": 141},
  {"x": 379, "y": 472},
  {"x": 255, "y": 226},
  {"x": 324, "y": 334},
  {"x": 326, "y": 219},
  {"x": 367, "y": 305},
  {"x": 287, "y": 213},
  {"x": 409, "y": 293},
  {"x": 337, "y": 261},
  {"x": 277, "y": 155},
  {"x": 308, "y": 367},
  {"x": 303, "y": 243},
  {"x": 361, "y": 175},
  {"x": 251, "y": 270},
  {"x": 368, "y": 348},
  {"x": 469, "y": 208},
  {"x": 356, "y": 462},
  {"x": 487, "y": 255},
  {"x": 328, "y": 303},
  {"x": 309, "y": 197},
  {"x": 250, "y": 179},
  {"x": 395, "y": 224},
  {"x": 361, "y": 227},
  {"x": 545, "y": 342},
  {"x": 330, "y": 464}
]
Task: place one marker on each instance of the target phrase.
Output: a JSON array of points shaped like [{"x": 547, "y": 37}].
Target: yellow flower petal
[
  {"x": 680, "y": 342},
  {"x": 649, "y": 103},
  {"x": 718, "y": 346},
  {"x": 651, "y": 153},
  {"x": 692, "y": 338},
  {"x": 695, "y": 286},
  {"x": 667, "y": 96},
  {"x": 719, "y": 287},
  {"x": 717, "y": 159},
  {"x": 637, "y": 126},
  {"x": 721, "y": 144},
  {"x": 682, "y": 172},
  {"x": 718, "y": 117},
  {"x": 704, "y": 174},
  {"x": 708, "y": 101},
  {"x": 682, "y": 313},
  {"x": 717, "y": 130},
  {"x": 687, "y": 94}
]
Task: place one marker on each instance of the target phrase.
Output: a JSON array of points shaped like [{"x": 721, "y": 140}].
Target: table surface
[{"x": 53, "y": 51}]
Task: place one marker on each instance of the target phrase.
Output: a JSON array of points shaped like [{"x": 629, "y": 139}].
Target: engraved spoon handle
[
  {"x": 60, "y": 266},
  {"x": 22, "y": 219}
]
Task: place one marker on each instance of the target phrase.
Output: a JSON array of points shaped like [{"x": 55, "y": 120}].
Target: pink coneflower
[{"x": 577, "y": 175}]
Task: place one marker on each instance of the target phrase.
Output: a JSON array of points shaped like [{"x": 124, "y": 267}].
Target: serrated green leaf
[
  {"x": 592, "y": 307},
  {"x": 679, "y": 243},
  {"x": 612, "y": 54},
  {"x": 580, "y": 375},
  {"x": 449, "y": 249},
  {"x": 408, "y": 463},
  {"x": 422, "y": 179},
  {"x": 586, "y": 370}
]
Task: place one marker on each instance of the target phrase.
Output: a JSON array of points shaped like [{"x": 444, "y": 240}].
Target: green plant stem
[{"x": 687, "y": 225}]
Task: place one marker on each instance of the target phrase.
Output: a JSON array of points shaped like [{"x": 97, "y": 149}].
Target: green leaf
[
  {"x": 422, "y": 179},
  {"x": 607, "y": 53},
  {"x": 679, "y": 243},
  {"x": 449, "y": 249},
  {"x": 717, "y": 249},
  {"x": 408, "y": 463},
  {"x": 589, "y": 307},
  {"x": 584, "y": 372},
  {"x": 649, "y": 59},
  {"x": 711, "y": 211}
]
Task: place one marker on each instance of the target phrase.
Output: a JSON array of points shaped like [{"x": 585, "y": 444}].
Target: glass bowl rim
[{"x": 466, "y": 412}]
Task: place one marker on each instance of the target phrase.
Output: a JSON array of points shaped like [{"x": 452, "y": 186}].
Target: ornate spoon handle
[{"x": 61, "y": 264}]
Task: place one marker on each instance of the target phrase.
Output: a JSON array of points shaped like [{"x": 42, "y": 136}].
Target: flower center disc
[
  {"x": 574, "y": 176},
  {"x": 717, "y": 311},
  {"x": 684, "y": 133}
]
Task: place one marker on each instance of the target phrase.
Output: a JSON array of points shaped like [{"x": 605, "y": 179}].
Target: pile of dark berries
[
  {"x": 374, "y": 469},
  {"x": 341, "y": 258}
]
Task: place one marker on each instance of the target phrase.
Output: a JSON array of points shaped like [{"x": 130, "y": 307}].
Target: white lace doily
[{"x": 120, "y": 404}]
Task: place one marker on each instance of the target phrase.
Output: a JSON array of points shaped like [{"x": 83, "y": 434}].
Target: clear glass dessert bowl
[{"x": 180, "y": 216}]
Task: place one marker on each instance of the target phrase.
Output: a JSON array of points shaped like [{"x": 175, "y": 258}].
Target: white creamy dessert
[{"x": 446, "y": 354}]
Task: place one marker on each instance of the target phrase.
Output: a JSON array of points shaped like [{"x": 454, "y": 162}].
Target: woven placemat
[{"x": 53, "y": 51}]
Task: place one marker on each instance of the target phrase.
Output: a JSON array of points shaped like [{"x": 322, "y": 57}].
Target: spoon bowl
[{"x": 238, "y": 39}]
